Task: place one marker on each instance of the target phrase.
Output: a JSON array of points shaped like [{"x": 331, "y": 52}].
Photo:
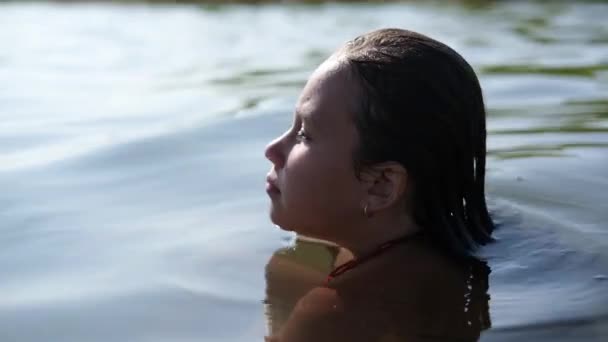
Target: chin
[
  {"x": 281, "y": 224},
  {"x": 276, "y": 220},
  {"x": 281, "y": 219},
  {"x": 284, "y": 228}
]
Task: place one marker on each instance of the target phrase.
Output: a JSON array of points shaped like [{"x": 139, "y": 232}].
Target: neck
[{"x": 376, "y": 232}]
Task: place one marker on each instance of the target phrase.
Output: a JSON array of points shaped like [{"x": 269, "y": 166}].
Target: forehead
[{"x": 327, "y": 98}]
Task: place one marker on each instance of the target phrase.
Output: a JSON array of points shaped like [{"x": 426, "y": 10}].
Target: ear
[{"x": 384, "y": 184}]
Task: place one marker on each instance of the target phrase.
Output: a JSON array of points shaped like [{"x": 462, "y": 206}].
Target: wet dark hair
[{"x": 421, "y": 105}]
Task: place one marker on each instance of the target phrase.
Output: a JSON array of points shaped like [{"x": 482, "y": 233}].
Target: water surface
[{"x": 132, "y": 169}]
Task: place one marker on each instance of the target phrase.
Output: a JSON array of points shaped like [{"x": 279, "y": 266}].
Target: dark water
[{"x": 132, "y": 169}]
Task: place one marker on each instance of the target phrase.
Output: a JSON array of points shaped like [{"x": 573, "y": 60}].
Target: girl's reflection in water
[{"x": 410, "y": 292}]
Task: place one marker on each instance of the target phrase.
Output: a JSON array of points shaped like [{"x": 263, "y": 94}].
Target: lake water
[{"x": 132, "y": 169}]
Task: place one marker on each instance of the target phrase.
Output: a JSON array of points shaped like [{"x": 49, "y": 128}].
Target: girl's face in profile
[{"x": 312, "y": 183}]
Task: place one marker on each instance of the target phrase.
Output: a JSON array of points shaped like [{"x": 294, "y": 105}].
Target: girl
[{"x": 386, "y": 159}]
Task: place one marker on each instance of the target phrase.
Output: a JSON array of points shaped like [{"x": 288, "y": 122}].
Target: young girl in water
[{"x": 386, "y": 159}]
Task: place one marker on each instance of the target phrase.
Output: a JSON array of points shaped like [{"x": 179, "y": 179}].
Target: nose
[{"x": 274, "y": 152}]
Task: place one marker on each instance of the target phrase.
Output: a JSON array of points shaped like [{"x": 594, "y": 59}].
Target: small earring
[{"x": 365, "y": 211}]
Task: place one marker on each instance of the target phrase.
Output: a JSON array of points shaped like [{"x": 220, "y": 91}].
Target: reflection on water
[{"x": 411, "y": 294}]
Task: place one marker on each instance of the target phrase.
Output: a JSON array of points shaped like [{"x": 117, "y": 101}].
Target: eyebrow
[{"x": 308, "y": 119}]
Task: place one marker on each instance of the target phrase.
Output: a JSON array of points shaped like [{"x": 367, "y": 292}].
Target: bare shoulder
[
  {"x": 318, "y": 316},
  {"x": 320, "y": 302},
  {"x": 415, "y": 270}
]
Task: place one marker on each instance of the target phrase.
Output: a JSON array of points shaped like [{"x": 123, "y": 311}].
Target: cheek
[{"x": 319, "y": 186}]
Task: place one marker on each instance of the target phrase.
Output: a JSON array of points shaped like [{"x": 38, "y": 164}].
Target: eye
[{"x": 301, "y": 135}]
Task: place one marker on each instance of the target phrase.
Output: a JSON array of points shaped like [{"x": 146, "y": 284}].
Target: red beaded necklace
[{"x": 356, "y": 262}]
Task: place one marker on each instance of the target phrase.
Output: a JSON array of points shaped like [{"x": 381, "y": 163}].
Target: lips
[{"x": 271, "y": 187}]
